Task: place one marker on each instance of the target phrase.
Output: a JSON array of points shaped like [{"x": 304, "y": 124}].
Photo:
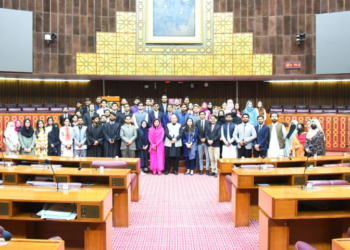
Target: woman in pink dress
[
  {"x": 205, "y": 109},
  {"x": 156, "y": 149}
]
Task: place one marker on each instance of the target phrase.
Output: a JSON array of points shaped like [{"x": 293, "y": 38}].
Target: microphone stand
[
  {"x": 3, "y": 158},
  {"x": 262, "y": 158},
  {"x": 48, "y": 163},
  {"x": 307, "y": 161}
]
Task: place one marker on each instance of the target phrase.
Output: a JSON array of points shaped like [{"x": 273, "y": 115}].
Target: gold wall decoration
[{"x": 222, "y": 53}]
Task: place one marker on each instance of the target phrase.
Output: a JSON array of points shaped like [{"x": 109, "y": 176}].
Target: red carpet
[{"x": 183, "y": 212}]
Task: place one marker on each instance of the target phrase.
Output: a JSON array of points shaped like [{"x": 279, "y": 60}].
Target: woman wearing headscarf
[
  {"x": 27, "y": 138},
  {"x": 156, "y": 149},
  {"x": 238, "y": 110},
  {"x": 235, "y": 119},
  {"x": 190, "y": 145},
  {"x": 66, "y": 138},
  {"x": 11, "y": 139},
  {"x": 299, "y": 142},
  {"x": 18, "y": 125},
  {"x": 54, "y": 141},
  {"x": 261, "y": 110},
  {"x": 221, "y": 117},
  {"x": 142, "y": 145},
  {"x": 288, "y": 151},
  {"x": 205, "y": 109},
  {"x": 49, "y": 125},
  {"x": 253, "y": 115},
  {"x": 230, "y": 106},
  {"x": 316, "y": 138},
  {"x": 210, "y": 107},
  {"x": 41, "y": 140}
]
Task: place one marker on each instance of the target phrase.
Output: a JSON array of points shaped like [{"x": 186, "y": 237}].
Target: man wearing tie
[
  {"x": 164, "y": 104},
  {"x": 244, "y": 135},
  {"x": 148, "y": 109},
  {"x": 212, "y": 135},
  {"x": 202, "y": 145},
  {"x": 65, "y": 115},
  {"x": 155, "y": 114},
  {"x": 260, "y": 142},
  {"x": 87, "y": 117},
  {"x": 167, "y": 115}
]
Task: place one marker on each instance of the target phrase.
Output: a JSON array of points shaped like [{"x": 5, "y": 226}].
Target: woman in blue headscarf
[{"x": 251, "y": 111}]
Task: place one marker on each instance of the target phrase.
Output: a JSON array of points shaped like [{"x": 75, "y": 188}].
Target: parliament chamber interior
[{"x": 174, "y": 124}]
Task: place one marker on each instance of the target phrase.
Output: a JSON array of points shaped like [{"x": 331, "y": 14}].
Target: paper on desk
[{"x": 263, "y": 184}]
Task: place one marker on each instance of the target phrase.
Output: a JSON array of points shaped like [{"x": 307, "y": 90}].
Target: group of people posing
[{"x": 162, "y": 133}]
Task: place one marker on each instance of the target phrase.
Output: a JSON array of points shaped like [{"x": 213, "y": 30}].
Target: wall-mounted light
[{"x": 315, "y": 80}]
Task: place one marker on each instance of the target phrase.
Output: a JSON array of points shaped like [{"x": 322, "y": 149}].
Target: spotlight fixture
[
  {"x": 50, "y": 37},
  {"x": 300, "y": 37},
  {"x": 206, "y": 84}
]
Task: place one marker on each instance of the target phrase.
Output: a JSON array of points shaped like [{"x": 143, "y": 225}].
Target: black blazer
[
  {"x": 161, "y": 108},
  {"x": 213, "y": 135},
  {"x": 152, "y": 116},
  {"x": 62, "y": 119},
  {"x": 201, "y": 132},
  {"x": 87, "y": 119},
  {"x": 86, "y": 109},
  {"x": 122, "y": 117}
]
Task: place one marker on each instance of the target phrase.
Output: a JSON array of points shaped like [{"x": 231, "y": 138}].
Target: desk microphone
[
  {"x": 3, "y": 159},
  {"x": 345, "y": 150},
  {"x": 47, "y": 161},
  {"x": 262, "y": 158},
  {"x": 5, "y": 234},
  {"x": 79, "y": 168},
  {"x": 307, "y": 161}
]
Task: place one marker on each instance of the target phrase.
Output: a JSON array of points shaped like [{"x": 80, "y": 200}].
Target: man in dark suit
[
  {"x": 212, "y": 136},
  {"x": 202, "y": 145},
  {"x": 164, "y": 105},
  {"x": 260, "y": 142},
  {"x": 65, "y": 115},
  {"x": 156, "y": 113},
  {"x": 167, "y": 115},
  {"x": 122, "y": 116},
  {"x": 87, "y": 117},
  {"x": 87, "y": 104}
]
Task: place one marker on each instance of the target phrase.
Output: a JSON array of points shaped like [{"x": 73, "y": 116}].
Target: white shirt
[
  {"x": 156, "y": 114},
  {"x": 274, "y": 148},
  {"x": 101, "y": 111},
  {"x": 230, "y": 140}
]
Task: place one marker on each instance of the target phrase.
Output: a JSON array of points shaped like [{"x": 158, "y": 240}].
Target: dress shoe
[
  {"x": 216, "y": 175},
  {"x": 212, "y": 174},
  {"x": 207, "y": 172},
  {"x": 200, "y": 172},
  {"x": 175, "y": 172},
  {"x": 166, "y": 172},
  {"x": 187, "y": 173}
]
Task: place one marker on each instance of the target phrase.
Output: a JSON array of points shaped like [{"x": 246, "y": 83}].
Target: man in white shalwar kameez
[
  {"x": 277, "y": 137},
  {"x": 229, "y": 148}
]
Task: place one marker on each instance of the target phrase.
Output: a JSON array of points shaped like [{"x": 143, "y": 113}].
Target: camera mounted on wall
[
  {"x": 300, "y": 37},
  {"x": 50, "y": 37}
]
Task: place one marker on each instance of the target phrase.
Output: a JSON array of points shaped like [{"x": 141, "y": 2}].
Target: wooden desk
[
  {"x": 341, "y": 244},
  {"x": 84, "y": 162},
  {"x": 245, "y": 186},
  {"x": 289, "y": 214},
  {"x": 117, "y": 179},
  {"x": 92, "y": 229},
  {"x": 24, "y": 244},
  {"x": 225, "y": 167}
]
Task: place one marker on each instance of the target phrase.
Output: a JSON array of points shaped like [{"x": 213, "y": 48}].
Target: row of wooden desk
[
  {"x": 97, "y": 205},
  {"x": 286, "y": 212},
  {"x": 225, "y": 167}
]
